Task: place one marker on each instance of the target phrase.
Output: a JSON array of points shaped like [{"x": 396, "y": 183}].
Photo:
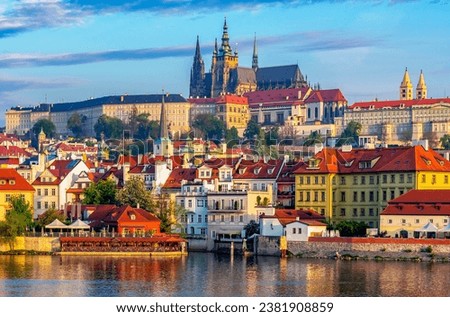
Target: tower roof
[
  {"x": 406, "y": 80},
  {"x": 421, "y": 83},
  {"x": 163, "y": 124},
  {"x": 225, "y": 48}
]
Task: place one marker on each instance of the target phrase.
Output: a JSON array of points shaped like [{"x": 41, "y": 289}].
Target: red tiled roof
[
  {"x": 179, "y": 174},
  {"x": 276, "y": 97},
  {"x": 420, "y": 203},
  {"x": 327, "y": 95},
  {"x": 377, "y": 160},
  {"x": 287, "y": 172},
  {"x": 13, "y": 151},
  {"x": 242, "y": 100},
  {"x": 10, "y": 161},
  {"x": 18, "y": 183},
  {"x": 248, "y": 169},
  {"x": 397, "y": 103},
  {"x": 286, "y": 216}
]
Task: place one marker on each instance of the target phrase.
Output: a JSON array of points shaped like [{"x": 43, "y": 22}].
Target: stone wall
[
  {"x": 197, "y": 244},
  {"x": 326, "y": 247}
]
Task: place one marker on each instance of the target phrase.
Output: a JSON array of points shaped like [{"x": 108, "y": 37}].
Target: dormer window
[
  {"x": 12, "y": 182},
  {"x": 257, "y": 170},
  {"x": 270, "y": 170},
  {"x": 132, "y": 216}
]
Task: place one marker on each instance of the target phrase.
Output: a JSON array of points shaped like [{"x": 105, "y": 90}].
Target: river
[{"x": 206, "y": 274}]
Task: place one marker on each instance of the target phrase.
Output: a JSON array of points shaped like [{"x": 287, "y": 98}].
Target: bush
[{"x": 428, "y": 249}]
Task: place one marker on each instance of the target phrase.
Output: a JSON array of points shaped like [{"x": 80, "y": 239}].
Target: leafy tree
[
  {"x": 76, "y": 124},
  {"x": 134, "y": 193},
  {"x": 102, "y": 192},
  {"x": 251, "y": 228},
  {"x": 313, "y": 138},
  {"x": 109, "y": 126},
  {"x": 445, "y": 141},
  {"x": 168, "y": 212},
  {"x": 253, "y": 129},
  {"x": 46, "y": 125},
  {"x": 351, "y": 228},
  {"x": 350, "y": 134},
  {"x": 49, "y": 216},
  {"x": 209, "y": 126},
  {"x": 231, "y": 137},
  {"x": 17, "y": 219},
  {"x": 272, "y": 136}
]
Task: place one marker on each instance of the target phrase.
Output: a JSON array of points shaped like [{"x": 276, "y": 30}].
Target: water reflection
[{"x": 213, "y": 275}]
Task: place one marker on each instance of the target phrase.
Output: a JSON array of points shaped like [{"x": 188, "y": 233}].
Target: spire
[
  {"x": 225, "y": 49},
  {"x": 255, "y": 55},
  {"x": 406, "y": 88},
  {"x": 215, "y": 48},
  {"x": 421, "y": 89},
  {"x": 163, "y": 127},
  {"x": 197, "y": 84},
  {"x": 198, "y": 55}
]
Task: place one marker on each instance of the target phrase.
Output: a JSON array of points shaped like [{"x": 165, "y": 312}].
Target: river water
[{"x": 205, "y": 274}]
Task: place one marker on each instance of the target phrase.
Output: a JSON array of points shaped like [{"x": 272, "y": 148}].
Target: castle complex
[{"x": 227, "y": 77}]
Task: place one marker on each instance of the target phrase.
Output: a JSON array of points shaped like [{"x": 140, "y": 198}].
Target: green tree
[
  {"x": 231, "y": 137},
  {"x": 109, "y": 126},
  {"x": 18, "y": 218},
  {"x": 251, "y": 228},
  {"x": 168, "y": 212},
  {"x": 350, "y": 134},
  {"x": 76, "y": 124},
  {"x": 253, "y": 130},
  {"x": 445, "y": 141},
  {"x": 351, "y": 228},
  {"x": 313, "y": 138},
  {"x": 272, "y": 135},
  {"x": 46, "y": 125},
  {"x": 134, "y": 193},
  {"x": 102, "y": 192},
  {"x": 209, "y": 126},
  {"x": 49, "y": 216}
]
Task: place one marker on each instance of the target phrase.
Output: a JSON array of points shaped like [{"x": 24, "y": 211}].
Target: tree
[
  {"x": 272, "y": 135},
  {"x": 49, "y": 216},
  {"x": 109, "y": 126},
  {"x": 209, "y": 126},
  {"x": 351, "y": 228},
  {"x": 76, "y": 124},
  {"x": 102, "y": 192},
  {"x": 350, "y": 134},
  {"x": 231, "y": 137},
  {"x": 432, "y": 138},
  {"x": 134, "y": 193},
  {"x": 18, "y": 218},
  {"x": 168, "y": 212},
  {"x": 46, "y": 125},
  {"x": 253, "y": 130},
  {"x": 445, "y": 141},
  {"x": 251, "y": 228},
  {"x": 313, "y": 138}
]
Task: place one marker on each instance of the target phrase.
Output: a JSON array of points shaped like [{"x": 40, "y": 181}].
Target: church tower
[
  {"x": 255, "y": 56},
  {"x": 421, "y": 89},
  {"x": 406, "y": 88},
  {"x": 223, "y": 62},
  {"x": 163, "y": 145},
  {"x": 197, "y": 85}
]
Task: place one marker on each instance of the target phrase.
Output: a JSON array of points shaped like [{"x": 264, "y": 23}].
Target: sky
[{"x": 73, "y": 50}]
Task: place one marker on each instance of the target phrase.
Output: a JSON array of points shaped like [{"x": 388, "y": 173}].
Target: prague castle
[{"x": 227, "y": 77}]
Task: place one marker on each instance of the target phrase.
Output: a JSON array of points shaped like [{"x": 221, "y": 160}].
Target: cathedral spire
[
  {"x": 255, "y": 55},
  {"x": 197, "y": 84},
  {"x": 225, "y": 49},
  {"x": 198, "y": 55},
  {"x": 421, "y": 89},
  {"x": 406, "y": 88}
]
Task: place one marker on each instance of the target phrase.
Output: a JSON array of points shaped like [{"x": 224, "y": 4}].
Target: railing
[{"x": 92, "y": 234}]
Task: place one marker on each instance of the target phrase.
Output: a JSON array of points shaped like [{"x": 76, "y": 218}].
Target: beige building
[{"x": 21, "y": 120}]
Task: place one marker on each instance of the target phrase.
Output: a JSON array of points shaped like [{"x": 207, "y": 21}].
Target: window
[
  {"x": 294, "y": 230},
  {"x": 222, "y": 218},
  {"x": 445, "y": 179},
  {"x": 371, "y": 196},
  {"x": 371, "y": 180},
  {"x": 423, "y": 178},
  {"x": 8, "y": 198},
  {"x": 371, "y": 212},
  {"x": 409, "y": 178},
  {"x": 39, "y": 192},
  {"x": 53, "y": 192},
  {"x": 393, "y": 178},
  {"x": 46, "y": 204},
  {"x": 384, "y": 181},
  {"x": 39, "y": 206},
  {"x": 190, "y": 203},
  {"x": 46, "y": 192},
  {"x": 213, "y": 218},
  {"x": 355, "y": 196},
  {"x": 389, "y": 220},
  {"x": 363, "y": 196},
  {"x": 182, "y": 203},
  {"x": 402, "y": 178},
  {"x": 355, "y": 180},
  {"x": 206, "y": 218},
  {"x": 241, "y": 218},
  {"x": 417, "y": 221},
  {"x": 323, "y": 196},
  {"x": 433, "y": 179},
  {"x": 363, "y": 212},
  {"x": 342, "y": 212},
  {"x": 392, "y": 194},
  {"x": 316, "y": 196},
  {"x": 191, "y": 218},
  {"x": 308, "y": 180},
  {"x": 316, "y": 180},
  {"x": 342, "y": 196},
  {"x": 301, "y": 196},
  {"x": 363, "y": 180},
  {"x": 199, "y": 218},
  {"x": 199, "y": 203},
  {"x": 232, "y": 218},
  {"x": 403, "y": 221},
  {"x": 301, "y": 180},
  {"x": 323, "y": 179},
  {"x": 355, "y": 212},
  {"x": 308, "y": 196},
  {"x": 53, "y": 204},
  {"x": 342, "y": 180}
]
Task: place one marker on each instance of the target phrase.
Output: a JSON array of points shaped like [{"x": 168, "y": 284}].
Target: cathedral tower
[
  {"x": 421, "y": 89},
  {"x": 197, "y": 86},
  {"x": 406, "y": 88},
  {"x": 223, "y": 62},
  {"x": 255, "y": 56}
]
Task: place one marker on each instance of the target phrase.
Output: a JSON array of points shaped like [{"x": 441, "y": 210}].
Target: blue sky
[{"x": 71, "y": 50}]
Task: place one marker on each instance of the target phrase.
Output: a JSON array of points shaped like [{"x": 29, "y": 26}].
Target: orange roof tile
[{"x": 10, "y": 180}]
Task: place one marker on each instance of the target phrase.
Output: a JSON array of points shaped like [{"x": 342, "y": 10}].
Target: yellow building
[
  {"x": 357, "y": 184},
  {"x": 12, "y": 184},
  {"x": 234, "y": 112}
]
